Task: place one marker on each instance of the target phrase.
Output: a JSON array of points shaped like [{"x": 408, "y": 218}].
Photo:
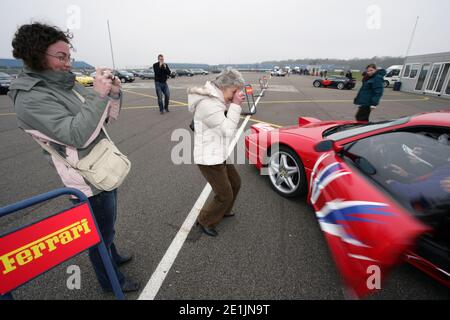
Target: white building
[{"x": 427, "y": 74}]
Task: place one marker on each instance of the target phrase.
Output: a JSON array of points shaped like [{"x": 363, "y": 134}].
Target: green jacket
[
  {"x": 49, "y": 110},
  {"x": 372, "y": 90}
]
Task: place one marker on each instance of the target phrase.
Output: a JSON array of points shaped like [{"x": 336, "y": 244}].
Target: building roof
[{"x": 437, "y": 54}]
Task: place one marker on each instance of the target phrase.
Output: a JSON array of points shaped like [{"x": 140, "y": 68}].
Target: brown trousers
[{"x": 226, "y": 183}]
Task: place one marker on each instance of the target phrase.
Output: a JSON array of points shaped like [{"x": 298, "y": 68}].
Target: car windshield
[
  {"x": 350, "y": 130},
  {"x": 414, "y": 167}
]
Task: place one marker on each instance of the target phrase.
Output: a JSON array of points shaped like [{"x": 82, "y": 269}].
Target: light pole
[
  {"x": 111, "y": 45},
  {"x": 412, "y": 37}
]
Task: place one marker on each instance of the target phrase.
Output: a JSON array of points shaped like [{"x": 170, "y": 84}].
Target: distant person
[
  {"x": 59, "y": 112},
  {"x": 349, "y": 75},
  {"x": 325, "y": 73},
  {"x": 321, "y": 74},
  {"x": 162, "y": 73},
  {"x": 370, "y": 94},
  {"x": 217, "y": 110}
]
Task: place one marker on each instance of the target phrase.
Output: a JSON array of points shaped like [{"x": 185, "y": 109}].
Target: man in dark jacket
[
  {"x": 162, "y": 73},
  {"x": 370, "y": 93}
]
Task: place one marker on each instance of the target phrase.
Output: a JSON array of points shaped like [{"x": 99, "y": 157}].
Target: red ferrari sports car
[{"x": 380, "y": 191}]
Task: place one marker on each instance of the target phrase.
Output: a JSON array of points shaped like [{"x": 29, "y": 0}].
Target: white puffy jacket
[{"x": 213, "y": 130}]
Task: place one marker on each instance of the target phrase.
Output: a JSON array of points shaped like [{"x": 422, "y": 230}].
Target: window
[
  {"x": 422, "y": 76},
  {"x": 395, "y": 72},
  {"x": 414, "y": 70},
  {"x": 447, "y": 90},
  {"x": 407, "y": 71},
  {"x": 443, "y": 77},
  {"x": 411, "y": 166},
  {"x": 434, "y": 75}
]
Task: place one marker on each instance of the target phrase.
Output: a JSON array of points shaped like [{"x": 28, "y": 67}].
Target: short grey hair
[{"x": 229, "y": 78}]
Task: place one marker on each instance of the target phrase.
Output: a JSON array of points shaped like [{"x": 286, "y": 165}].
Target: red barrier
[{"x": 35, "y": 249}]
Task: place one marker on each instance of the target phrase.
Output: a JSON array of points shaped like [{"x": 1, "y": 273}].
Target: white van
[{"x": 392, "y": 75}]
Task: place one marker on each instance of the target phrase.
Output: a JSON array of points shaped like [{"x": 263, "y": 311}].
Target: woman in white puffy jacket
[{"x": 217, "y": 110}]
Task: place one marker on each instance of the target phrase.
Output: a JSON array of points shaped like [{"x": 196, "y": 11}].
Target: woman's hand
[
  {"x": 115, "y": 88},
  {"x": 103, "y": 82},
  {"x": 238, "y": 98}
]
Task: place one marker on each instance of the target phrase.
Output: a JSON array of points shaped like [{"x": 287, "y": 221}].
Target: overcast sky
[{"x": 235, "y": 31}]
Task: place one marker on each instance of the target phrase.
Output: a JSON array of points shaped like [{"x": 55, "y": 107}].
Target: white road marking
[
  {"x": 151, "y": 289},
  {"x": 159, "y": 275}
]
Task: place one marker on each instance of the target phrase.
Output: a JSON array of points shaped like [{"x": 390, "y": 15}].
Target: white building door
[
  {"x": 442, "y": 77},
  {"x": 447, "y": 88},
  {"x": 432, "y": 81},
  {"x": 422, "y": 76}
]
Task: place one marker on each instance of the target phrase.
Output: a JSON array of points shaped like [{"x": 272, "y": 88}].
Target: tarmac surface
[{"x": 272, "y": 249}]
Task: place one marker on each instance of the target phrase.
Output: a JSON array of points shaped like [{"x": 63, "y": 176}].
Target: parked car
[
  {"x": 124, "y": 76},
  {"x": 136, "y": 73},
  {"x": 147, "y": 74},
  {"x": 278, "y": 73},
  {"x": 5, "y": 82},
  {"x": 184, "y": 72},
  {"x": 392, "y": 75},
  {"x": 85, "y": 80},
  {"x": 200, "y": 71},
  {"x": 338, "y": 82},
  {"x": 379, "y": 190}
]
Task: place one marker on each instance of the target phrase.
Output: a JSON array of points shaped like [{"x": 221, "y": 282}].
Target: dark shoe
[
  {"x": 167, "y": 110},
  {"x": 130, "y": 286},
  {"x": 161, "y": 112},
  {"x": 230, "y": 215},
  {"x": 127, "y": 286},
  {"x": 210, "y": 231},
  {"x": 120, "y": 261}
]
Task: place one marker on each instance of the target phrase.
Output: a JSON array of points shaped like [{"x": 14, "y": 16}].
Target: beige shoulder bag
[{"x": 105, "y": 167}]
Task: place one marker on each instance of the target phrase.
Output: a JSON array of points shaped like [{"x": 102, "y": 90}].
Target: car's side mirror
[
  {"x": 250, "y": 98},
  {"x": 326, "y": 146}
]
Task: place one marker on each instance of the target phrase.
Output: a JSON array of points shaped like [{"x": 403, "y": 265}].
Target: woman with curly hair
[{"x": 57, "y": 111}]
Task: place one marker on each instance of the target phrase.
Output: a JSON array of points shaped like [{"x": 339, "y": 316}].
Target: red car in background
[
  {"x": 337, "y": 82},
  {"x": 381, "y": 191}
]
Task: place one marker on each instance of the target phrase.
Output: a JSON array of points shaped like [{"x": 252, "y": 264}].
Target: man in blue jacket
[{"x": 370, "y": 93}]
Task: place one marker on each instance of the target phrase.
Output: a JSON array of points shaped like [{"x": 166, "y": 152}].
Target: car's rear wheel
[
  {"x": 317, "y": 84},
  {"x": 123, "y": 80},
  {"x": 341, "y": 86},
  {"x": 386, "y": 84},
  {"x": 286, "y": 173}
]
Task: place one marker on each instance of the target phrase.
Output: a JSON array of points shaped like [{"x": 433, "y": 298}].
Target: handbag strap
[
  {"x": 56, "y": 154},
  {"x": 53, "y": 152},
  {"x": 83, "y": 100}
]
